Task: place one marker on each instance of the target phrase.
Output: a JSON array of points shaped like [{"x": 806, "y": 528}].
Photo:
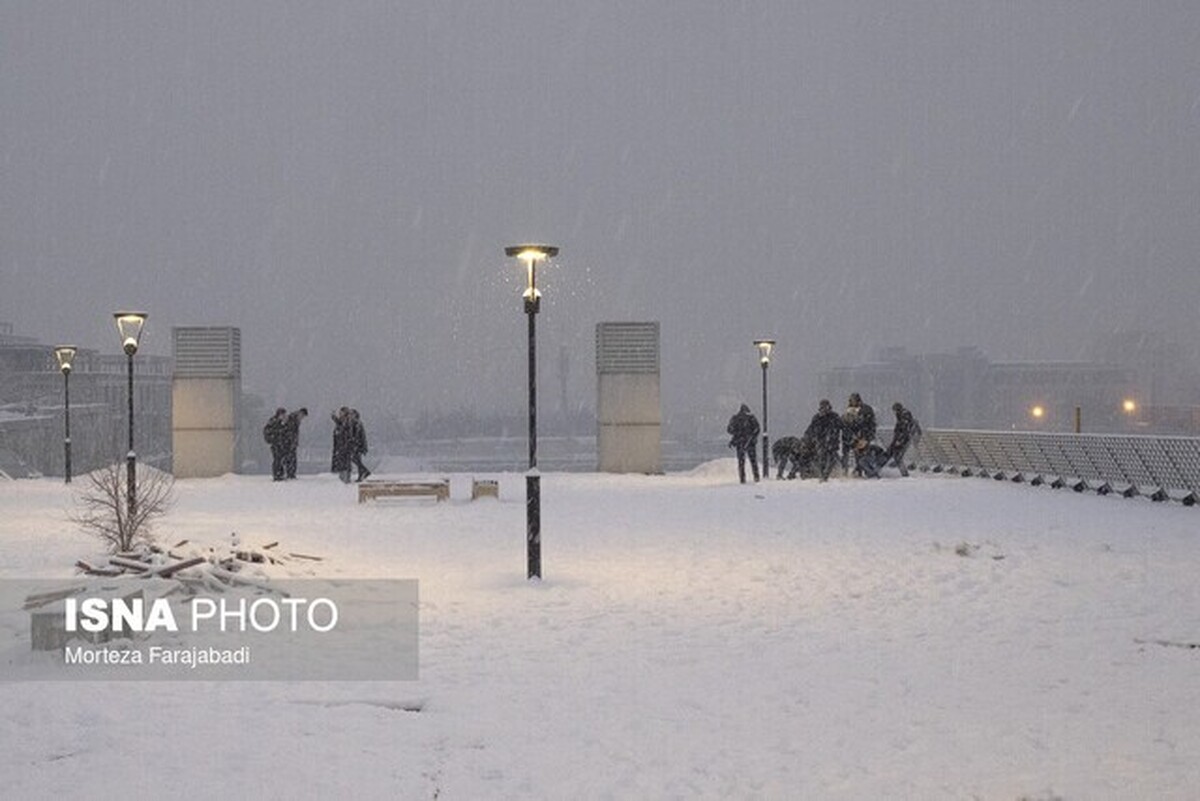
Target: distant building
[
  {"x": 31, "y": 406},
  {"x": 964, "y": 389},
  {"x": 947, "y": 390},
  {"x": 1167, "y": 374}
]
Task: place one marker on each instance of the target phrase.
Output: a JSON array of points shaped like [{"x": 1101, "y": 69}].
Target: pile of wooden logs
[
  {"x": 157, "y": 562},
  {"x": 183, "y": 570}
]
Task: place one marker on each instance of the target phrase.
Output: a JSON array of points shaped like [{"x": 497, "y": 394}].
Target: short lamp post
[
  {"x": 65, "y": 354},
  {"x": 531, "y": 255},
  {"x": 764, "y": 357},
  {"x": 129, "y": 327}
]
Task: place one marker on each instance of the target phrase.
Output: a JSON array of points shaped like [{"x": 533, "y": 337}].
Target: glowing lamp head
[
  {"x": 531, "y": 253},
  {"x": 764, "y": 350},
  {"x": 65, "y": 354},
  {"x": 1129, "y": 405},
  {"x": 129, "y": 326},
  {"x": 1037, "y": 412}
]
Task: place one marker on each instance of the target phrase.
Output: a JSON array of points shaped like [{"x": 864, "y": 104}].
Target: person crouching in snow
[
  {"x": 800, "y": 452},
  {"x": 869, "y": 457}
]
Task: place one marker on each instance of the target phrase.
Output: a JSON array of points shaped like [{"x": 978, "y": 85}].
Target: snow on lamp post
[
  {"x": 764, "y": 357},
  {"x": 129, "y": 327},
  {"x": 65, "y": 354},
  {"x": 531, "y": 255}
]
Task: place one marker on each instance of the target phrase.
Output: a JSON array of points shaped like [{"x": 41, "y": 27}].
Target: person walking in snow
[
  {"x": 357, "y": 445},
  {"x": 906, "y": 431},
  {"x": 825, "y": 429},
  {"x": 273, "y": 434},
  {"x": 743, "y": 435},
  {"x": 291, "y": 440}
]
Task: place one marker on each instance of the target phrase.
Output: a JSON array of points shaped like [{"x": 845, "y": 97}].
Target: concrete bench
[{"x": 371, "y": 490}]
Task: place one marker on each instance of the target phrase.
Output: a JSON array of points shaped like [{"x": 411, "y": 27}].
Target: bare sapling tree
[{"x": 103, "y": 505}]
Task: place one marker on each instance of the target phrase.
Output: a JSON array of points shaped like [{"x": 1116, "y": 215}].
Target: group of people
[
  {"x": 282, "y": 433},
  {"x": 830, "y": 440}
]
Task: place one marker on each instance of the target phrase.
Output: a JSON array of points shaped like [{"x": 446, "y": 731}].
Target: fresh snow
[{"x": 925, "y": 638}]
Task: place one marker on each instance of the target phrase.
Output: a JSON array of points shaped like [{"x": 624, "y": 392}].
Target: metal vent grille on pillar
[
  {"x": 627, "y": 348},
  {"x": 208, "y": 352}
]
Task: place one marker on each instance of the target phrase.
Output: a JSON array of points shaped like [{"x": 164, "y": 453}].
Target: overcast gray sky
[{"x": 340, "y": 179}]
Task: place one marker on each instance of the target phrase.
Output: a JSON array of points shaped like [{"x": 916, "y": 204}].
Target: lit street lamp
[
  {"x": 129, "y": 327},
  {"x": 764, "y": 356},
  {"x": 66, "y": 355},
  {"x": 531, "y": 255}
]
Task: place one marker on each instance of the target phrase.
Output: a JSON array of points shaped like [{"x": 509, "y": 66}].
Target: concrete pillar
[
  {"x": 628, "y": 405},
  {"x": 206, "y": 391}
]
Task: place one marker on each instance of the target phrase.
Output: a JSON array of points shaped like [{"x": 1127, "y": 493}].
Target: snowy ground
[{"x": 926, "y": 638}]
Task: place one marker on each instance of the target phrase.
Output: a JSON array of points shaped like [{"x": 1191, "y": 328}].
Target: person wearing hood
[
  {"x": 743, "y": 436},
  {"x": 906, "y": 431},
  {"x": 825, "y": 429}
]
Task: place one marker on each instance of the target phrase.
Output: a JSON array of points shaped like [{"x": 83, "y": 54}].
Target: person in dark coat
[
  {"x": 340, "y": 461},
  {"x": 859, "y": 423},
  {"x": 849, "y": 424},
  {"x": 799, "y": 452},
  {"x": 291, "y": 440},
  {"x": 825, "y": 430},
  {"x": 784, "y": 451},
  {"x": 743, "y": 435},
  {"x": 906, "y": 430},
  {"x": 869, "y": 457},
  {"x": 358, "y": 445},
  {"x": 273, "y": 434}
]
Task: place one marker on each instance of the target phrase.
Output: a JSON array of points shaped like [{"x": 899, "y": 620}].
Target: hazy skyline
[{"x": 340, "y": 180}]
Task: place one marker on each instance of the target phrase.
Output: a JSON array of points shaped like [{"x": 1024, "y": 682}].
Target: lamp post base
[
  {"x": 533, "y": 525},
  {"x": 131, "y": 484}
]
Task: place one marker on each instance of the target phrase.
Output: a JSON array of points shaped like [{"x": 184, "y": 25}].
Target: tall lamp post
[
  {"x": 129, "y": 327},
  {"x": 66, "y": 355},
  {"x": 531, "y": 254},
  {"x": 764, "y": 357}
]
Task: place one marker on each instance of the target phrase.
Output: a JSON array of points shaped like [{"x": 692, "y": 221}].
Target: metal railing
[{"x": 1160, "y": 468}]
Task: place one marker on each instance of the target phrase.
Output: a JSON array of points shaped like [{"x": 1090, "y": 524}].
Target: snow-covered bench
[
  {"x": 370, "y": 490},
  {"x": 485, "y": 488}
]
